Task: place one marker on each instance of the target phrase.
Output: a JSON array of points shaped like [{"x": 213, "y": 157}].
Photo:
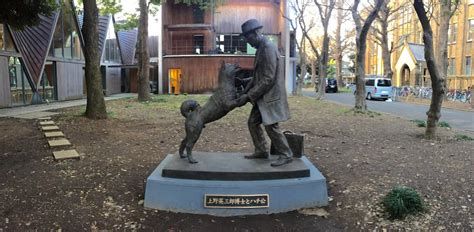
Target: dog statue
[{"x": 222, "y": 101}]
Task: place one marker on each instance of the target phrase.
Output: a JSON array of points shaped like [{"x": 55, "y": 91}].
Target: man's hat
[{"x": 249, "y": 26}]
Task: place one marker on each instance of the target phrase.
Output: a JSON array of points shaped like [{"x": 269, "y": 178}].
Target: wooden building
[
  {"x": 42, "y": 63},
  {"x": 128, "y": 45},
  {"x": 194, "y": 41}
]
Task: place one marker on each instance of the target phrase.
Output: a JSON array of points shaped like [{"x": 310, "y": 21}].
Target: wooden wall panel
[
  {"x": 5, "y": 98},
  {"x": 199, "y": 73},
  {"x": 181, "y": 14},
  {"x": 114, "y": 82},
  {"x": 70, "y": 80},
  {"x": 230, "y": 17}
]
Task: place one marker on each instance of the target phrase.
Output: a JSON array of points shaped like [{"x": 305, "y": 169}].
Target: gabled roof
[
  {"x": 418, "y": 51},
  {"x": 128, "y": 40},
  {"x": 103, "y": 27},
  {"x": 33, "y": 43}
]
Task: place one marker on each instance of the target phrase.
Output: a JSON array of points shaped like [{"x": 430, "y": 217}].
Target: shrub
[
  {"x": 402, "y": 201},
  {"x": 463, "y": 137},
  {"x": 444, "y": 124},
  {"x": 419, "y": 123}
]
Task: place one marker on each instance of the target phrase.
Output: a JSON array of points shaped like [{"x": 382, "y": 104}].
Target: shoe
[
  {"x": 281, "y": 161},
  {"x": 258, "y": 156}
]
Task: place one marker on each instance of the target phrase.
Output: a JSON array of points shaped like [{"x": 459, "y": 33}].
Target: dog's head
[{"x": 228, "y": 71}]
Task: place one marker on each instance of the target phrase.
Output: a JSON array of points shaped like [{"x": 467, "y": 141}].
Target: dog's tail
[{"x": 188, "y": 106}]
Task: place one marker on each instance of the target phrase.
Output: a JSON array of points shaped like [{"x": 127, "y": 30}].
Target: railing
[{"x": 426, "y": 93}]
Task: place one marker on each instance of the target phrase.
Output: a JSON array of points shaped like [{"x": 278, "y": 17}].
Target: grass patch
[
  {"x": 403, "y": 201},
  {"x": 345, "y": 90},
  {"x": 419, "y": 123},
  {"x": 444, "y": 124},
  {"x": 111, "y": 114},
  {"x": 366, "y": 113},
  {"x": 461, "y": 137},
  {"x": 422, "y": 123}
]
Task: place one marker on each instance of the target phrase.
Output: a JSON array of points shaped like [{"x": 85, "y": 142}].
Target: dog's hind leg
[{"x": 182, "y": 147}]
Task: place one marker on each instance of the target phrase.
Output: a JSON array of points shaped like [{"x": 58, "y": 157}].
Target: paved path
[
  {"x": 37, "y": 111},
  {"x": 457, "y": 119}
]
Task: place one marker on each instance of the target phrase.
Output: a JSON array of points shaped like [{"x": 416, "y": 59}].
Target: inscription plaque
[{"x": 236, "y": 201}]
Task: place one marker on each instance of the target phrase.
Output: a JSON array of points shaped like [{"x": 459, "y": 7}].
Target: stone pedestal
[{"x": 227, "y": 184}]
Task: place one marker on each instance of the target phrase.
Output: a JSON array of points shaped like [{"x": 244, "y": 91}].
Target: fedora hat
[{"x": 249, "y": 26}]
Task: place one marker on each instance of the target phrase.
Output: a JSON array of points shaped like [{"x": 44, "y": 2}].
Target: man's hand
[{"x": 242, "y": 100}]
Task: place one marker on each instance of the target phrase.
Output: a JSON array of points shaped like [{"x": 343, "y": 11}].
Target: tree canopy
[{"x": 22, "y": 13}]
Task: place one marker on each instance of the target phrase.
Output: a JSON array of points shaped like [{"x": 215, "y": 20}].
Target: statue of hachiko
[{"x": 222, "y": 101}]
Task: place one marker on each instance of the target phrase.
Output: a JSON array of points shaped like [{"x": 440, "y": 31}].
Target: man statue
[{"x": 267, "y": 93}]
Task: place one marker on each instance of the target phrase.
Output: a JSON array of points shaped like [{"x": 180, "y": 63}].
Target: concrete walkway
[{"x": 38, "y": 111}]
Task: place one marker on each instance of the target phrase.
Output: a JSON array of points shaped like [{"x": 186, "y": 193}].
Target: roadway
[{"x": 457, "y": 119}]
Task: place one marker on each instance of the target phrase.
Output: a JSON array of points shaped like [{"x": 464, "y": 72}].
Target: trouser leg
[
  {"x": 279, "y": 141},
  {"x": 256, "y": 131}
]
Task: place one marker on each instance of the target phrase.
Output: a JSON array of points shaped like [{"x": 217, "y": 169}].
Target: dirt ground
[{"x": 362, "y": 157}]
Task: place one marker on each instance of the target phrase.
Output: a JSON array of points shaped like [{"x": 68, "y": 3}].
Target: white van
[{"x": 378, "y": 88}]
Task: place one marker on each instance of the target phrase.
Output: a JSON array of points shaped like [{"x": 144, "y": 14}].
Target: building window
[
  {"x": 471, "y": 30},
  {"x": 198, "y": 14},
  {"x": 20, "y": 88},
  {"x": 453, "y": 31},
  {"x": 231, "y": 44},
  {"x": 467, "y": 66},
  {"x": 198, "y": 43},
  {"x": 451, "y": 66},
  {"x": 111, "y": 47}
]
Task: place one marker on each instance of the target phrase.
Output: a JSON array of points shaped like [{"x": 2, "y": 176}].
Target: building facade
[
  {"x": 42, "y": 63},
  {"x": 195, "y": 41},
  {"x": 406, "y": 41}
]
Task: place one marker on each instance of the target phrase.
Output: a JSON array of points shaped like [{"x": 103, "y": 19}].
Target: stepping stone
[
  {"x": 47, "y": 123},
  {"x": 59, "y": 142},
  {"x": 50, "y": 128},
  {"x": 45, "y": 118},
  {"x": 54, "y": 134},
  {"x": 68, "y": 154}
]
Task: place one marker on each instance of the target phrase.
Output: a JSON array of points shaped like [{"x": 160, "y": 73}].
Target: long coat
[{"x": 268, "y": 85}]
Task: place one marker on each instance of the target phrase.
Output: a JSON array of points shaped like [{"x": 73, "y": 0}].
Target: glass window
[
  {"x": 233, "y": 44},
  {"x": 69, "y": 28},
  {"x": 198, "y": 43},
  {"x": 471, "y": 29},
  {"x": 453, "y": 31},
  {"x": 20, "y": 88},
  {"x": 57, "y": 46},
  {"x": 451, "y": 66},
  {"x": 384, "y": 83},
  {"x": 111, "y": 53},
  {"x": 467, "y": 67},
  {"x": 2, "y": 38},
  {"x": 198, "y": 14}
]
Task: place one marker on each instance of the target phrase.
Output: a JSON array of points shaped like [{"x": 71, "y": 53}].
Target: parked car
[
  {"x": 331, "y": 85},
  {"x": 378, "y": 88}
]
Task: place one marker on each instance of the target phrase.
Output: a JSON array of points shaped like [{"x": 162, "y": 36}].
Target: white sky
[{"x": 131, "y": 6}]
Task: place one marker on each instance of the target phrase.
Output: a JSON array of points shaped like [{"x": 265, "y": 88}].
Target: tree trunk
[
  {"x": 95, "y": 108},
  {"x": 361, "y": 44},
  {"x": 338, "y": 48},
  {"x": 443, "y": 36},
  {"x": 313, "y": 73},
  {"x": 387, "y": 65},
  {"x": 300, "y": 80},
  {"x": 323, "y": 66},
  {"x": 143, "y": 56},
  {"x": 437, "y": 81}
]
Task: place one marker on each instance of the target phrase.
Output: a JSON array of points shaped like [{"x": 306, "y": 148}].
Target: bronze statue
[
  {"x": 222, "y": 101},
  {"x": 267, "y": 93}
]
